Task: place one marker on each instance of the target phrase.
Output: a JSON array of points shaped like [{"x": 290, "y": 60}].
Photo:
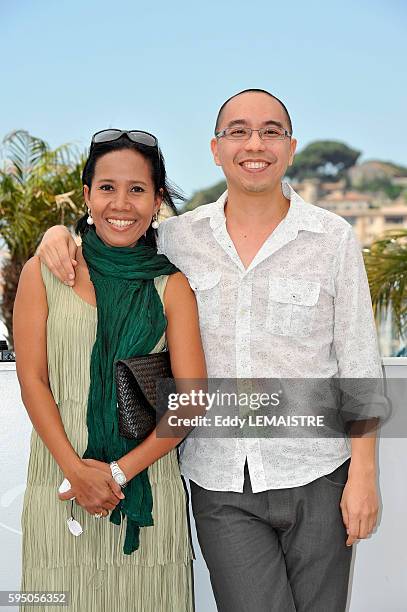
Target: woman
[{"x": 127, "y": 300}]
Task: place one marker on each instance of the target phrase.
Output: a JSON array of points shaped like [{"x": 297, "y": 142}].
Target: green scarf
[{"x": 130, "y": 322}]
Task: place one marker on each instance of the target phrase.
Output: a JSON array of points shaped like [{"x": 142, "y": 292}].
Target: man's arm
[
  {"x": 57, "y": 251},
  {"x": 355, "y": 336},
  {"x": 355, "y": 342}
]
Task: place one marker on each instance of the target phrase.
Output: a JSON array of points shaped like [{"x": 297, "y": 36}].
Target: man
[{"x": 282, "y": 293}]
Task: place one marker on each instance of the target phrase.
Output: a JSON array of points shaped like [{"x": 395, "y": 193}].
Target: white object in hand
[
  {"x": 64, "y": 487},
  {"x": 74, "y": 527}
]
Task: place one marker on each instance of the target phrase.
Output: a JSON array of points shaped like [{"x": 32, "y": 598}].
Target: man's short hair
[{"x": 219, "y": 117}]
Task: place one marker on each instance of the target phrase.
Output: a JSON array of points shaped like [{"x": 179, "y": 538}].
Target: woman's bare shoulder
[
  {"x": 32, "y": 267},
  {"x": 31, "y": 278}
]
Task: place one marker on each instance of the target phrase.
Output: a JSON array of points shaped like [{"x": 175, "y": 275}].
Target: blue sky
[{"x": 70, "y": 69}]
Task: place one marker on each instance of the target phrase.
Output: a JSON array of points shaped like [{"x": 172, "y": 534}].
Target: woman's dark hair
[{"x": 158, "y": 175}]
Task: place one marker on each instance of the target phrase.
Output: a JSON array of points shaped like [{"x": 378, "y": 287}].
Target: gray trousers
[{"x": 281, "y": 550}]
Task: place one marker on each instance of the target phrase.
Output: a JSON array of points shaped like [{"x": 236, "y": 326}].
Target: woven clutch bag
[{"x": 136, "y": 380}]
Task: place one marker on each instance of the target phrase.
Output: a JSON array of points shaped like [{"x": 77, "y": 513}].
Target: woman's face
[{"x": 122, "y": 198}]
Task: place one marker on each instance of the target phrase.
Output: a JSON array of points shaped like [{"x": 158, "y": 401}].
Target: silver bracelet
[{"x": 118, "y": 474}]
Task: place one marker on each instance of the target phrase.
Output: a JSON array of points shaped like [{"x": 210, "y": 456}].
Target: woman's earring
[
  {"x": 155, "y": 222},
  {"x": 89, "y": 220}
]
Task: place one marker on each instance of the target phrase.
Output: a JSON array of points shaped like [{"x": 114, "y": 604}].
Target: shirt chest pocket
[
  {"x": 206, "y": 287},
  {"x": 292, "y": 305}
]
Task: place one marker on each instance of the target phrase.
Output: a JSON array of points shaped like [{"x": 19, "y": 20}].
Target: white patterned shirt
[{"x": 302, "y": 309}]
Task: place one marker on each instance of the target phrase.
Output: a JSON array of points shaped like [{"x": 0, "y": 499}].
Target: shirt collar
[
  {"x": 300, "y": 215},
  {"x": 215, "y": 211}
]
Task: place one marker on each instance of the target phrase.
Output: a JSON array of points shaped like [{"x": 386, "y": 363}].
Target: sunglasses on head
[{"x": 138, "y": 136}]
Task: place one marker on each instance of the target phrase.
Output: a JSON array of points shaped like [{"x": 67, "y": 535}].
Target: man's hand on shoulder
[{"x": 58, "y": 251}]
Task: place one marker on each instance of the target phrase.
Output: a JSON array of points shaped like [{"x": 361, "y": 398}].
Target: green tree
[
  {"x": 205, "y": 196},
  {"x": 386, "y": 265},
  {"x": 323, "y": 158},
  {"x": 39, "y": 187},
  {"x": 383, "y": 185}
]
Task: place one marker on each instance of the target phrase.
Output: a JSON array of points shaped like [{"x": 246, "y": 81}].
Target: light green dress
[{"x": 92, "y": 567}]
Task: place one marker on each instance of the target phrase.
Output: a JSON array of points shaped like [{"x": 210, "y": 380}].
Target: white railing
[{"x": 378, "y": 577}]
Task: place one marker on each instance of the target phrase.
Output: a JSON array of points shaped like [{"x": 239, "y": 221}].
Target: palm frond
[
  {"x": 24, "y": 152},
  {"x": 39, "y": 188},
  {"x": 386, "y": 265}
]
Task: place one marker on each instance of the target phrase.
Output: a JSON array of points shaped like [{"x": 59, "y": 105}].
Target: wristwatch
[{"x": 118, "y": 474}]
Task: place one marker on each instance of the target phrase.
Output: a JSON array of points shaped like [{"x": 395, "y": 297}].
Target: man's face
[{"x": 254, "y": 165}]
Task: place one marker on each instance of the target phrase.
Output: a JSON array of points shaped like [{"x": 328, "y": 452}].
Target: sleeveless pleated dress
[{"x": 92, "y": 567}]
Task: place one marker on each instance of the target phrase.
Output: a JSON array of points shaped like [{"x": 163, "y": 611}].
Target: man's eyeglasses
[
  {"x": 273, "y": 132},
  {"x": 138, "y": 136}
]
